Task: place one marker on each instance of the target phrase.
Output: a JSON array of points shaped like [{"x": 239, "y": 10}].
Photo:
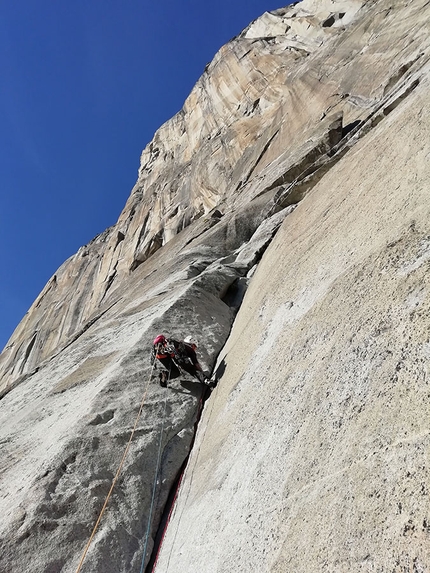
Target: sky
[{"x": 84, "y": 86}]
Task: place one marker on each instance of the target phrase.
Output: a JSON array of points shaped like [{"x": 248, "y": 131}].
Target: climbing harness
[
  {"x": 164, "y": 350},
  {"x": 115, "y": 479}
]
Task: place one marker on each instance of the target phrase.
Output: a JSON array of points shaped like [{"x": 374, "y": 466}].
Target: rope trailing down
[
  {"x": 154, "y": 487},
  {"x": 178, "y": 486},
  {"x": 115, "y": 479}
]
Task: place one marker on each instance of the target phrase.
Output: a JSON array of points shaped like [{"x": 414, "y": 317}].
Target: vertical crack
[{"x": 174, "y": 490}]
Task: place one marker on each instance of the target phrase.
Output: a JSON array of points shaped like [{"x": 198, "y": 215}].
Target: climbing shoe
[
  {"x": 204, "y": 379},
  {"x": 200, "y": 377},
  {"x": 163, "y": 379}
]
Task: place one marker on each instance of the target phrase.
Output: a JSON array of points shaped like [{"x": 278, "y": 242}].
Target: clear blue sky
[{"x": 84, "y": 86}]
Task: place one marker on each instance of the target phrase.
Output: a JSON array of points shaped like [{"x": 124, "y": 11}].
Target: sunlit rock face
[
  {"x": 312, "y": 127},
  {"x": 255, "y": 112},
  {"x": 313, "y": 453}
]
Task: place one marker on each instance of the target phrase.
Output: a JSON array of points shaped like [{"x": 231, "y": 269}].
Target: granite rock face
[
  {"x": 258, "y": 118},
  {"x": 312, "y": 452}
]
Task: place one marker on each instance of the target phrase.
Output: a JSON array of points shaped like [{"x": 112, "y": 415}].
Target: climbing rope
[
  {"x": 154, "y": 487},
  {"x": 179, "y": 484},
  {"x": 115, "y": 479}
]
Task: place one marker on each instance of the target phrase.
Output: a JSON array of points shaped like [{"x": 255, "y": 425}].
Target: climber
[
  {"x": 175, "y": 355},
  {"x": 188, "y": 359},
  {"x": 164, "y": 351}
]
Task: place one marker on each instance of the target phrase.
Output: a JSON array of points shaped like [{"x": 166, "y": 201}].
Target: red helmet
[{"x": 160, "y": 339}]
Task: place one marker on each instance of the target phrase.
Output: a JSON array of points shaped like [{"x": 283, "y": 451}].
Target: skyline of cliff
[{"x": 84, "y": 92}]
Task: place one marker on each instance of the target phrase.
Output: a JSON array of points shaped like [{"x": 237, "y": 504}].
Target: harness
[{"x": 164, "y": 350}]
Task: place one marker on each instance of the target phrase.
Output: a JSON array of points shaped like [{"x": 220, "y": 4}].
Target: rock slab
[{"x": 312, "y": 453}]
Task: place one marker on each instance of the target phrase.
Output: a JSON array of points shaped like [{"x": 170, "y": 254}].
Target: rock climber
[{"x": 175, "y": 356}]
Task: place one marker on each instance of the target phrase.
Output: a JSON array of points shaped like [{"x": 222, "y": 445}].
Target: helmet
[
  {"x": 160, "y": 339},
  {"x": 190, "y": 340}
]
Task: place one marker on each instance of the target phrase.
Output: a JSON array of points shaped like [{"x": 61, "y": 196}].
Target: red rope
[{"x": 175, "y": 497}]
